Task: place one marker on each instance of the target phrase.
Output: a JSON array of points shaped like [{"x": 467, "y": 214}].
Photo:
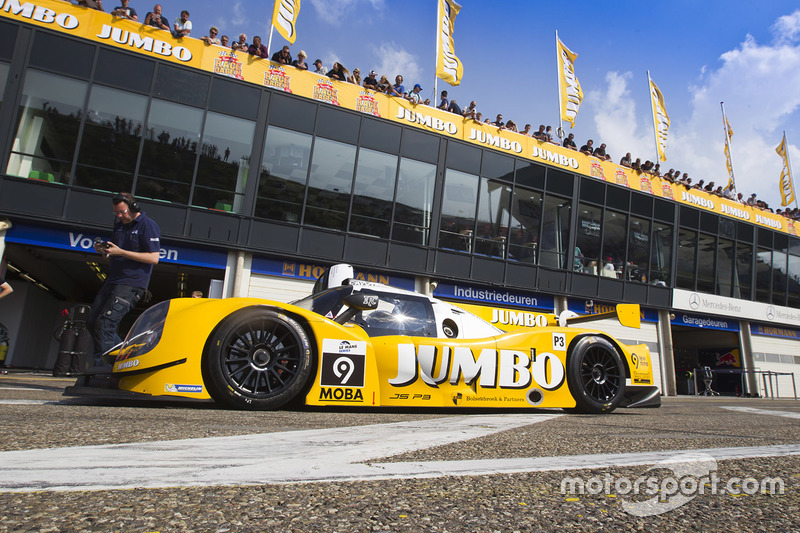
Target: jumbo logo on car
[{"x": 508, "y": 369}]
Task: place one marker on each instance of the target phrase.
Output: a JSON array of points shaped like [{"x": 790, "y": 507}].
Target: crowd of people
[{"x": 182, "y": 27}]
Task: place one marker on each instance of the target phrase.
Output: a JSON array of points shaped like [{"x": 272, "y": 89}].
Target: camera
[{"x": 101, "y": 242}]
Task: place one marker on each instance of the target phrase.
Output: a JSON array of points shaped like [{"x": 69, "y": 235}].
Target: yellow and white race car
[{"x": 361, "y": 343}]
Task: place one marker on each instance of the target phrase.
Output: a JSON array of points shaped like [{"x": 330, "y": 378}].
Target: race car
[{"x": 361, "y": 343}]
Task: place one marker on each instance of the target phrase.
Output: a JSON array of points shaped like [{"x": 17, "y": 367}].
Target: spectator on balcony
[
  {"x": 498, "y": 121},
  {"x": 257, "y": 48},
  {"x": 384, "y": 85},
  {"x": 548, "y": 134},
  {"x": 300, "y": 62},
  {"x": 637, "y": 165},
  {"x": 626, "y": 160},
  {"x": 397, "y": 89},
  {"x": 539, "y": 134},
  {"x": 526, "y": 130},
  {"x": 241, "y": 45},
  {"x": 511, "y": 126},
  {"x": 444, "y": 103},
  {"x": 414, "y": 95},
  {"x": 156, "y": 19},
  {"x": 338, "y": 72},
  {"x": 569, "y": 142},
  {"x": 124, "y": 11},
  {"x": 454, "y": 108},
  {"x": 182, "y": 26},
  {"x": 587, "y": 148},
  {"x": 211, "y": 38},
  {"x": 319, "y": 68},
  {"x": 371, "y": 82},
  {"x": 471, "y": 110},
  {"x": 223, "y": 41},
  {"x": 355, "y": 77},
  {"x": 93, "y": 4},
  {"x": 282, "y": 56},
  {"x": 600, "y": 152}
]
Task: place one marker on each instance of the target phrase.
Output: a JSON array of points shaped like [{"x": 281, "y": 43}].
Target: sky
[{"x": 743, "y": 53}]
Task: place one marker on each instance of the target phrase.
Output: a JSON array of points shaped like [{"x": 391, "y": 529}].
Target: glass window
[
  {"x": 763, "y": 274},
  {"x": 687, "y": 251},
  {"x": 779, "y": 279},
  {"x": 493, "y": 216},
  {"x": 615, "y": 228},
  {"x": 53, "y": 52},
  {"x": 794, "y": 278},
  {"x": 111, "y": 138},
  {"x": 555, "y": 231},
  {"x": 8, "y": 36},
  {"x": 744, "y": 269},
  {"x": 706, "y": 266},
  {"x": 47, "y": 127},
  {"x": 526, "y": 217},
  {"x": 638, "y": 250},
  {"x": 661, "y": 254},
  {"x": 373, "y": 192},
  {"x": 3, "y": 79},
  {"x": 181, "y": 85},
  {"x": 224, "y": 162},
  {"x": 414, "y": 202},
  {"x": 233, "y": 98},
  {"x": 170, "y": 151},
  {"x": 586, "y": 256},
  {"x": 124, "y": 71},
  {"x": 329, "y": 184},
  {"x": 458, "y": 210},
  {"x": 726, "y": 254},
  {"x": 284, "y": 171},
  {"x": 398, "y": 315}
]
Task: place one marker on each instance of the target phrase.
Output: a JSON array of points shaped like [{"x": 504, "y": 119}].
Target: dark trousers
[{"x": 110, "y": 306}]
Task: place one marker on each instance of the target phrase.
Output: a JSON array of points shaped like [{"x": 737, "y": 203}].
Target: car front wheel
[{"x": 257, "y": 359}]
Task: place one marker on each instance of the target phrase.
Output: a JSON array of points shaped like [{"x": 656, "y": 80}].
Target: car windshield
[{"x": 326, "y": 303}]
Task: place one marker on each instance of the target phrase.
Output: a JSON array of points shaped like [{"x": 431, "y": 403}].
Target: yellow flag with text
[
  {"x": 660, "y": 120},
  {"x": 571, "y": 94},
  {"x": 786, "y": 185},
  {"x": 284, "y": 17},
  {"x": 448, "y": 66}
]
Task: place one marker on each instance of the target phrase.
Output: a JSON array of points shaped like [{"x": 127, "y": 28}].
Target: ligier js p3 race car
[{"x": 365, "y": 344}]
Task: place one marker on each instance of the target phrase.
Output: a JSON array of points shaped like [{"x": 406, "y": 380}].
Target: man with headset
[{"x": 132, "y": 251}]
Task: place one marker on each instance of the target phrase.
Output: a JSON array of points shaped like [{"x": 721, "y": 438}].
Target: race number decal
[
  {"x": 343, "y": 363},
  {"x": 559, "y": 342}
]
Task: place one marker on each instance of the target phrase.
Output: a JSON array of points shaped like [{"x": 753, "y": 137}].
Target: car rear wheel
[
  {"x": 596, "y": 375},
  {"x": 257, "y": 359}
]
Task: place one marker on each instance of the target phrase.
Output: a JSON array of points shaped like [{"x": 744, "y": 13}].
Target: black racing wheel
[
  {"x": 596, "y": 375},
  {"x": 257, "y": 359}
]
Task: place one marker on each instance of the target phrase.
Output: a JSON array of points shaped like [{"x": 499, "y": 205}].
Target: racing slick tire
[
  {"x": 257, "y": 359},
  {"x": 595, "y": 375}
]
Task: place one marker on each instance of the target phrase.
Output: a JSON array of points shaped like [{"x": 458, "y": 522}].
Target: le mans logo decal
[{"x": 343, "y": 363}]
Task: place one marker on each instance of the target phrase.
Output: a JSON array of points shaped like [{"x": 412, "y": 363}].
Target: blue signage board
[
  {"x": 707, "y": 322},
  {"x": 495, "y": 296},
  {"x": 595, "y": 307},
  {"x": 312, "y": 271},
  {"x": 84, "y": 242},
  {"x": 767, "y": 330}
]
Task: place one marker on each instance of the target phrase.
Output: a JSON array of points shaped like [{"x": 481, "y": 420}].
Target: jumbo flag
[
  {"x": 787, "y": 188},
  {"x": 448, "y": 66},
  {"x": 570, "y": 94},
  {"x": 728, "y": 162},
  {"x": 660, "y": 119},
  {"x": 284, "y": 17}
]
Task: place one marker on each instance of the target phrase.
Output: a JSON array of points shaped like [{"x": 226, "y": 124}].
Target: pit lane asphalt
[{"x": 35, "y": 416}]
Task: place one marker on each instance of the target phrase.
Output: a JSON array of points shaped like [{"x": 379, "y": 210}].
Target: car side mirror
[{"x": 357, "y": 302}]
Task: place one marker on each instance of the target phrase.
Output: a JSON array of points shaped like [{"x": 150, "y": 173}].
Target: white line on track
[
  {"x": 753, "y": 410},
  {"x": 28, "y": 402},
  {"x": 321, "y": 455}
]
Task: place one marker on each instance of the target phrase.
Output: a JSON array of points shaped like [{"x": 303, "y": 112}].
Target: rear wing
[{"x": 627, "y": 314}]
